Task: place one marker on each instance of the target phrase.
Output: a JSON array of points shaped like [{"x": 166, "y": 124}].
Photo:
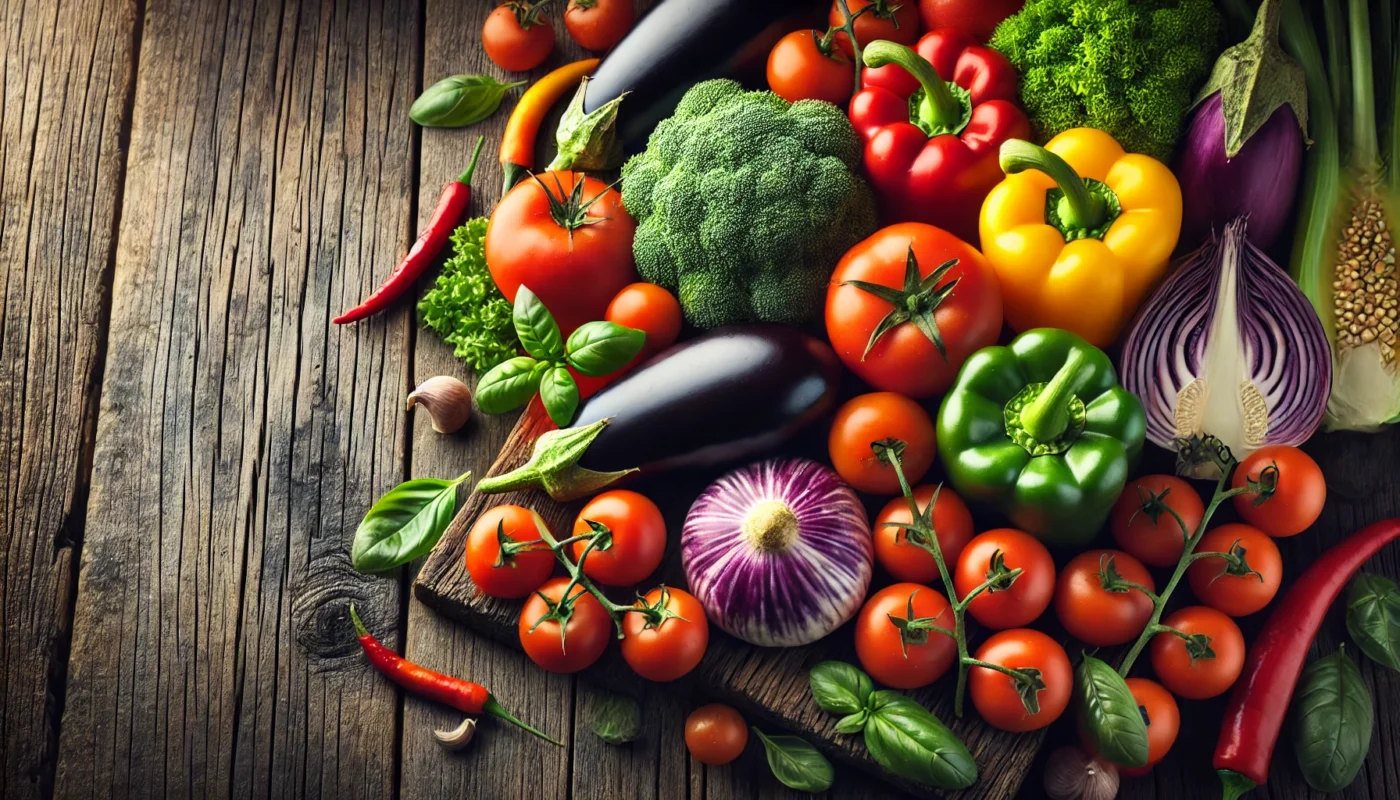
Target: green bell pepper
[{"x": 1041, "y": 431}]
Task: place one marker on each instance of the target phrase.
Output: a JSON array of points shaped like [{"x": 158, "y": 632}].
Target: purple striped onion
[{"x": 778, "y": 552}]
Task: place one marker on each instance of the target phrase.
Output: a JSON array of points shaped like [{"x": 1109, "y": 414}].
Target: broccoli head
[
  {"x": 1128, "y": 67},
  {"x": 744, "y": 203}
]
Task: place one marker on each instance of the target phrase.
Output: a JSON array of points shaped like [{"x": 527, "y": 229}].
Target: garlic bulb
[
  {"x": 1070, "y": 774},
  {"x": 457, "y": 738},
  {"x": 448, "y": 401}
]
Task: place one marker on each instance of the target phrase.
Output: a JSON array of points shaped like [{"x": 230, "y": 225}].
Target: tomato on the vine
[
  {"x": 1094, "y": 602},
  {"x": 568, "y": 646},
  {"x": 1207, "y": 664},
  {"x": 1159, "y": 711},
  {"x": 891, "y": 20},
  {"x": 905, "y": 660},
  {"x": 1298, "y": 490},
  {"x": 715, "y": 734},
  {"x": 952, "y": 522},
  {"x": 1142, "y": 520},
  {"x": 1238, "y": 590},
  {"x": 517, "y": 36},
  {"x": 995, "y": 694},
  {"x": 598, "y": 24},
  {"x": 875, "y": 417},
  {"x": 804, "y": 65},
  {"x": 671, "y": 647},
  {"x": 524, "y": 570},
  {"x": 636, "y": 535},
  {"x": 998, "y": 551}
]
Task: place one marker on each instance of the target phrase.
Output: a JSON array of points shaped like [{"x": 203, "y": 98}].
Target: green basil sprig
[
  {"x": 1373, "y": 618},
  {"x": 1113, "y": 722},
  {"x": 459, "y": 100},
  {"x": 618, "y": 720},
  {"x": 405, "y": 524},
  {"x": 797, "y": 764},
  {"x": 1332, "y": 722}
]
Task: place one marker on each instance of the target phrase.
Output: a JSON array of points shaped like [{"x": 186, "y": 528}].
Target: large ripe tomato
[
  {"x": 715, "y": 734},
  {"x": 977, "y": 17},
  {"x": 875, "y": 417},
  {"x": 517, "y": 36},
  {"x": 1299, "y": 494},
  {"x": 598, "y": 24},
  {"x": 525, "y": 571},
  {"x": 904, "y": 359},
  {"x": 541, "y": 236},
  {"x": 892, "y": 658},
  {"x": 1028, "y": 596},
  {"x": 1094, "y": 605},
  {"x": 1239, "y": 591},
  {"x": 799, "y": 70},
  {"x": 672, "y": 648},
  {"x": 1158, "y": 709},
  {"x": 567, "y": 648},
  {"x": 994, "y": 693},
  {"x": 1201, "y": 669},
  {"x": 952, "y": 522},
  {"x": 891, "y": 20},
  {"x": 637, "y": 531},
  {"x": 1142, "y": 522}
]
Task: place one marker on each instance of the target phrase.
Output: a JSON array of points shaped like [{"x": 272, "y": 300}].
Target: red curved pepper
[{"x": 936, "y": 161}]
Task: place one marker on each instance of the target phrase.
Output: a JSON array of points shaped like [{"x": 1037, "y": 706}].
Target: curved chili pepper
[
  {"x": 451, "y": 207},
  {"x": 518, "y": 141},
  {"x": 1259, "y": 701},
  {"x": 465, "y": 696}
]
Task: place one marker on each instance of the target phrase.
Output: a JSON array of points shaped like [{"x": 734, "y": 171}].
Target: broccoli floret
[
  {"x": 745, "y": 202},
  {"x": 1128, "y": 67}
]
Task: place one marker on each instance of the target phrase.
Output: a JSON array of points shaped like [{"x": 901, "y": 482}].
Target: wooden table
[{"x": 191, "y": 189}]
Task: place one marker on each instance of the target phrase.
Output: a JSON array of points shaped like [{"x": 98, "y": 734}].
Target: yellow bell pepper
[{"x": 1079, "y": 232}]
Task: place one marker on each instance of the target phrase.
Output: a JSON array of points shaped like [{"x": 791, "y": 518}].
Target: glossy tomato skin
[
  {"x": 874, "y": 417},
  {"x": 1296, "y": 503},
  {"x": 1205, "y": 677},
  {"x": 638, "y": 538},
  {"x": 878, "y": 641},
  {"x": 1163, "y": 721},
  {"x": 891, "y": 20},
  {"x": 904, "y": 360},
  {"x": 512, "y": 47},
  {"x": 715, "y": 734},
  {"x": 581, "y": 643},
  {"x": 977, "y": 17},
  {"x": 1028, "y": 596},
  {"x": 527, "y": 570},
  {"x": 1156, "y": 542},
  {"x": 575, "y": 275},
  {"x": 671, "y": 649},
  {"x": 994, "y": 693},
  {"x": 598, "y": 24},
  {"x": 651, "y": 310},
  {"x": 799, "y": 70},
  {"x": 1236, "y": 595},
  {"x": 952, "y": 522},
  {"x": 1095, "y": 615}
]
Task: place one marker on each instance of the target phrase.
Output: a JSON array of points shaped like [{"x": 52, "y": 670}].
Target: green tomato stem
[
  {"x": 939, "y": 110},
  {"x": 576, "y": 575},
  {"x": 1082, "y": 208},
  {"x": 1047, "y": 416}
]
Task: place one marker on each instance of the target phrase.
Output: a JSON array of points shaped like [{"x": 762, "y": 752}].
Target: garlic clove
[
  {"x": 457, "y": 738},
  {"x": 1072, "y": 774},
  {"x": 448, "y": 401}
]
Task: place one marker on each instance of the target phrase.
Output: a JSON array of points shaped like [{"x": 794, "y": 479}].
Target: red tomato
[
  {"x": 523, "y": 572},
  {"x": 994, "y": 693},
  {"x": 1158, "y": 708},
  {"x": 638, "y": 535},
  {"x": 904, "y": 360},
  {"x": 1143, "y": 524},
  {"x": 1096, "y": 615},
  {"x": 1213, "y": 669},
  {"x": 890, "y": 657},
  {"x": 1299, "y": 494},
  {"x": 569, "y": 648},
  {"x": 1237, "y": 593},
  {"x": 952, "y": 523},
  {"x": 517, "y": 36},
  {"x": 875, "y": 417},
  {"x": 799, "y": 70},
  {"x": 668, "y": 650},
  {"x": 1027, "y": 597},
  {"x": 575, "y": 273},
  {"x": 977, "y": 17},
  {"x": 715, "y": 734},
  {"x": 598, "y": 24},
  {"x": 650, "y": 308},
  {"x": 891, "y": 20}
]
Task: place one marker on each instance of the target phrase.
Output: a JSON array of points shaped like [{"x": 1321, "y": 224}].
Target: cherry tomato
[
  {"x": 904, "y": 359},
  {"x": 1298, "y": 496},
  {"x": 1027, "y": 597},
  {"x": 650, "y": 308},
  {"x": 1158, "y": 708},
  {"x": 672, "y": 648},
  {"x": 715, "y": 734},
  {"x": 570, "y": 648},
  {"x": 893, "y": 659},
  {"x": 892, "y": 20},
  {"x": 1214, "y": 669},
  {"x": 1102, "y": 616},
  {"x": 1239, "y": 594},
  {"x": 523, "y": 572},
  {"x": 994, "y": 693},
  {"x": 977, "y": 17},
  {"x": 1142, "y": 522},
  {"x": 799, "y": 70},
  {"x": 598, "y": 24},
  {"x": 638, "y": 538},
  {"x": 517, "y": 36},
  {"x": 952, "y": 523},
  {"x": 873, "y": 417}
]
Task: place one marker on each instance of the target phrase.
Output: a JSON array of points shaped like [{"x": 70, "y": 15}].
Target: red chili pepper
[
  {"x": 1260, "y": 699},
  {"x": 451, "y": 207},
  {"x": 934, "y": 160},
  {"x": 466, "y": 696}
]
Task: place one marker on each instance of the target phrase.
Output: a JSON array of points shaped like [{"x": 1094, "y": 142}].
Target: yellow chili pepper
[
  {"x": 1079, "y": 232},
  {"x": 518, "y": 140}
]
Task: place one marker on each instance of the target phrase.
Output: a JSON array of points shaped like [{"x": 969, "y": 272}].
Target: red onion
[{"x": 778, "y": 552}]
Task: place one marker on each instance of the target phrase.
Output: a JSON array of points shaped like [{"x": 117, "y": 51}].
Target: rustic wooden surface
[{"x": 189, "y": 189}]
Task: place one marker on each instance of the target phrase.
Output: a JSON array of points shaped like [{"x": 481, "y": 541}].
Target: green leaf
[
  {"x": 618, "y": 719},
  {"x": 539, "y": 333},
  {"x": 797, "y": 764},
  {"x": 405, "y": 524},
  {"x": 464, "y": 306},
  {"x": 1332, "y": 722},
  {"x": 559, "y": 393},
  {"x": 839, "y": 687},
  {"x": 508, "y": 385},
  {"x": 1112, "y": 721},
  {"x": 458, "y": 101},
  {"x": 598, "y": 348},
  {"x": 904, "y": 738},
  {"x": 1373, "y": 618}
]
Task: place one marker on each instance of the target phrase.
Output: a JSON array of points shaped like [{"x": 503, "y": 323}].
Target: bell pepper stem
[
  {"x": 1047, "y": 416},
  {"x": 1083, "y": 209},
  {"x": 939, "y": 108}
]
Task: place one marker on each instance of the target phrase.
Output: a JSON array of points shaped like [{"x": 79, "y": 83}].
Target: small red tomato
[
  {"x": 1159, "y": 711},
  {"x": 875, "y": 417},
  {"x": 1205, "y": 666},
  {"x": 671, "y": 647},
  {"x": 567, "y": 648},
  {"x": 899, "y": 659},
  {"x": 1238, "y": 590},
  {"x": 799, "y": 69},
  {"x": 996, "y": 695},
  {"x": 1298, "y": 490},
  {"x": 517, "y": 36},
  {"x": 891, "y": 20},
  {"x": 977, "y": 17},
  {"x": 598, "y": 24},
  {"x": 1093, "y": 602},
  {"x": 1026, "y": 598},
  {"x": 636, "y": 533},
  {"x": 715, "y": 734},
  {"x": 952, "y": 523},
  {"x": 525, "y": 570},
  {"x": 648, "y": 308},
  {"x": 1142, "y": 520}
]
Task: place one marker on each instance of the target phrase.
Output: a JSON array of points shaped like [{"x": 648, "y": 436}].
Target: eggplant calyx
[
  {"x": 588, "y": 140},
  {"x": 553, "y": 467}
]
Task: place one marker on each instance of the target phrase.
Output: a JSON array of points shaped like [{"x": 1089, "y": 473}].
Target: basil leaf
[
  {"x": 618, "y": 719},
  {"x": 508, "y": 385},
  {"x": 560, "y": 395},
  {"x": 597, "y": 348},
  {"x": 405, "y": 524},
  {"x": 904, "y": 738},
  {"x": 458, "y": 101},
  {"x": 839, "y": 687},
  {"x": 1332, "y": 723},
  {"x": 1110, "y": 715},
  {"x": 535, "y": 326},
  {"x": 797, "y": 764},
  {"x": 1373, "y": 618}
]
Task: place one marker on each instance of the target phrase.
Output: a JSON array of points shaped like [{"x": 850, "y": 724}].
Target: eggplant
[{"x": 723, "y": 397}]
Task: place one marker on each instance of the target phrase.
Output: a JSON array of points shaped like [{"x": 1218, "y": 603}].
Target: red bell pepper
[{"x": 931, "y": 145}]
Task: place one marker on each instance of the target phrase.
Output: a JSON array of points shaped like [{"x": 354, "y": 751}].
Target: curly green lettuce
[{"x": 464, "y": 306}]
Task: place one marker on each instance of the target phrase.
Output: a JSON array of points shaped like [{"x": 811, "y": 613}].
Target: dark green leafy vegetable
[
  {"x": 839, "y": 687},
  {"x": 459, "y": 100},
  {"x": 598, "y": 348},
  {"x": 904, "y": 738},
  {"x": 559, "y": 393},
  {"x": 797, "y": 764},
  {"x": 539, "y": 333},
  {"x": 1110, "y": 716},
  {"x": 509, "y": 385},
  {"x": 1373, "y": 618},
  {"x": 405, "y": 524},
  {"x": 1332, "y": 723},
  {"x": 465, "y": 308},
  {"x": 617, "y": 719}
]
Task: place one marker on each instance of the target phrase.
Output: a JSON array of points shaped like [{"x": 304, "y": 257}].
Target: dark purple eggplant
[{"x": 729, "y": 395}]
